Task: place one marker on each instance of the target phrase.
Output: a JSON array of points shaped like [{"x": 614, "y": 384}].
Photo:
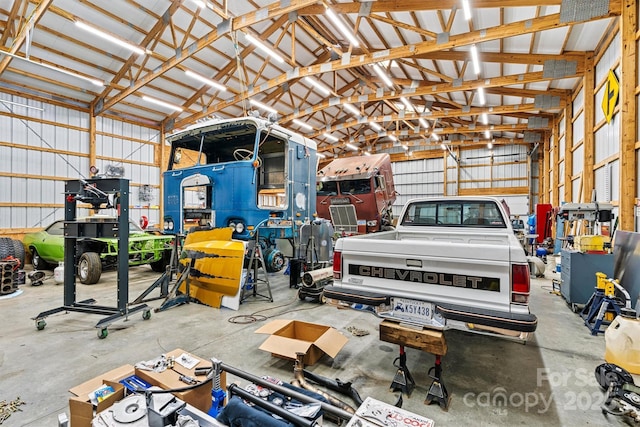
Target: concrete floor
[{"x": 548, "y": 381}]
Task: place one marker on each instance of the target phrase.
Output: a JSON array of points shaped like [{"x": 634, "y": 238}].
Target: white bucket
[
  {"x": 58, "y": 273},
  {"x": 622, "y": 343}
]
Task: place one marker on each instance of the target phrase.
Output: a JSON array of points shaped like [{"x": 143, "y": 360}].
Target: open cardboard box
[
  {"x": 199, "y": 397},
  {"x": 81, "y": 410},
  {"x": 288, "y": 337}
]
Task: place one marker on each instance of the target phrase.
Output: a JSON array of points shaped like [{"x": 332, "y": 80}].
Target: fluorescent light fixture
[
  {"x": 484, "y": 118},
  {"x": 435, "y": 136},
  {"x": 406, "y": 103},
  {"x": 474, "y": 59},
  {"x": 487, "y": 134},
  {"x": 21, "y": 105},
  {"x": 489, "y": 146},
  {"x": 330, "y": 137},
  {"x": 263, "y": 47},
  {"x": 466, "y": 9},
  {"x": 444, "y": 147},
  {"x": 322, "y": 156},
  {"x": 161, "y": 103},
  {"x": 393, "y": 138},
  {"x": 385, "y": 78},
  {"x": 367, "y": 153},
  {"x": 200, "y": 3},
  {"x": 264, "y": 107},
  {"x": 205, "y": 80},
  {"x": 423, "y": 123},
  {"x": 352, "y": 109},
  {"x": 317, "y": 85},
  {"x": 351, "y": 147},
  {"x": 405, "y": 146},
  {"x": 342, "y": 28},
  {"x": 302, "y": 124},
  {"x": 481, "y": 98},
  {"x": 111, "y": 38},
  {"x": 59, "y": 70},
  {"x": 375, "y": 126}
]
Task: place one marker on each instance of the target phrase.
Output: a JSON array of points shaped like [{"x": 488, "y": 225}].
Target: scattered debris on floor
[
  {"x": 6, "y": 409},
  {"x": 357, "y": 332}
]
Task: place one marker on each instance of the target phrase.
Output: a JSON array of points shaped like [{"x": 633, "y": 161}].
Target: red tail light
[
  {"x": 520, "y": 283},
  {"x": 337, "y": 265}
]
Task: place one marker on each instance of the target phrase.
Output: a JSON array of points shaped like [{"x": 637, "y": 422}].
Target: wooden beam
[
  {"x": 528, "y": 26},
  {"x": 503, "y": 58},
  {"x": 30, "y": 23},
  {"x": 414, "y": 5},
  {"x": 568, "y": 154},
  {"x": 432, "y": 115},
  {"x": 589, "y": 137},
  {"x": 489, "y": 191},
  {"x": 251, "y": 18},
  {"x": 546, "y": 171},
  {"x": 555, "y": 179},
  {"x": 629, "y": 119}
]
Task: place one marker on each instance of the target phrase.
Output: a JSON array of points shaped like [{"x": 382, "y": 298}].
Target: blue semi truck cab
[{"x": 246, "y": 173}]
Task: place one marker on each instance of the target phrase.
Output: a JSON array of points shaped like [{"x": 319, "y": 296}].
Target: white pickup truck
[{"x": 451, "y": 263}]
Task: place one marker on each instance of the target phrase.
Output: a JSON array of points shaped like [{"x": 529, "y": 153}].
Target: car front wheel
[
  {"x": 37, "y": 261},
  {"x": 89, "y": 268}
]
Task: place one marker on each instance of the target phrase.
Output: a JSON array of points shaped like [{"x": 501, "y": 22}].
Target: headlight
[
  {"x": 170, "y": 223},
  {"x": 166, "y": 225},
  {"x": 372, "y": 223},
  {"x": 239, "y": 228},
  {"x": 232, "y": 225}
]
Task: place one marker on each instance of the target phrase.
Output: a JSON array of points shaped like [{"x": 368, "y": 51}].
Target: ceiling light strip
[
  {"x": 59, "y": 70},
  {"x": 263, "y": 47},
  {"x": 205, "y": 80},
  {"x": 380, "y": 72},
  {"x": 342, "y": 28},
  {"x": 317, "y": 85},
  {"x": 474, "y": 59},
  {"x": 106, "y": 36},
  {"x": 263, "y": 106},
  {"x": 162, "y": 103},
  {"x": 302, "y": 124}
]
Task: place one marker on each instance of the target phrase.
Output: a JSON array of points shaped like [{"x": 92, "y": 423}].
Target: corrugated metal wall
[
  {"x": 43, "y": 146},
  {"x": 497, "y": 172}
]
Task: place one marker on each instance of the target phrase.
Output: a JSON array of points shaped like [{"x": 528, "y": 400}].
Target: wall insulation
[{"x": 43, "y": 146}]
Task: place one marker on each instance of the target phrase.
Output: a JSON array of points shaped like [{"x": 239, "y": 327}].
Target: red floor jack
[
  {"x": 402, "y": 381},
  {"x": 437, "y": 391}
]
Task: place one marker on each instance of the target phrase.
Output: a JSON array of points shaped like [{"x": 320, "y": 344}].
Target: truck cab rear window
[{"x": 454, "y": 213}]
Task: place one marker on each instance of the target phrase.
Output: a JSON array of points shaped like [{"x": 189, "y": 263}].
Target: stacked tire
[
  {"x": 12, "y": 249},
  {"x": 12, "y": 255}
]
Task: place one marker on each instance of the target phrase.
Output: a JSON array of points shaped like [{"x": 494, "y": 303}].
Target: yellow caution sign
[{"x": 610, "y": 97}]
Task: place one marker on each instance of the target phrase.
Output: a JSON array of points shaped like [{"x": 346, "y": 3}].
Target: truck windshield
[
  {"x": 454, "y": 213},
  {"x": 214, "y": 144},
  {"x": 327, "y": 188},
  {"x": 356, "y": 186}
]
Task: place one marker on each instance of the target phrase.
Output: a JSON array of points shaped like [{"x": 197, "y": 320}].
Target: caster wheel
[
  {"x": 40, "y": 324},
  {"x": 146, "y": 315},
  {"x": 102, "y": 333},
  {"x": 322, "y": 299},
  {"x": 301, "y": 295}
]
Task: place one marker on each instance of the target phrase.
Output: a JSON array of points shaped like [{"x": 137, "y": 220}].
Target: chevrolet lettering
[{"x": 444, "y": 279}]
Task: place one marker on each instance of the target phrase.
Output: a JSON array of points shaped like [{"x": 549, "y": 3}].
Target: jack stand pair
[{"x": 403, "y": 381}]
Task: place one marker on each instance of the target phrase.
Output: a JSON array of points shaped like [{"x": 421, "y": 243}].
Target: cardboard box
[
  {"x": 199, "y": 397},
  {"x": 81, "y": 410},
  {"x": 288, "y": 337}
]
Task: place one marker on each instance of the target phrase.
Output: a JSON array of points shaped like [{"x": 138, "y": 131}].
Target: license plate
[{"x": 418, "y": 311}]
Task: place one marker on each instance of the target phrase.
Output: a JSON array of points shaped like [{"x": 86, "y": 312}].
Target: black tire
[
  {"x": 6, "y": 247},
  {"x": 37, "y": 261},
  {"x": 160, "y": 266},
  {"x": 89, "y": 268},
  {"x": 18, "y": 251}
]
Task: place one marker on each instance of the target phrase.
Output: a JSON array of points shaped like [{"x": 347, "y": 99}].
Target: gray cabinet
[{"x": 578, "y": 274}]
